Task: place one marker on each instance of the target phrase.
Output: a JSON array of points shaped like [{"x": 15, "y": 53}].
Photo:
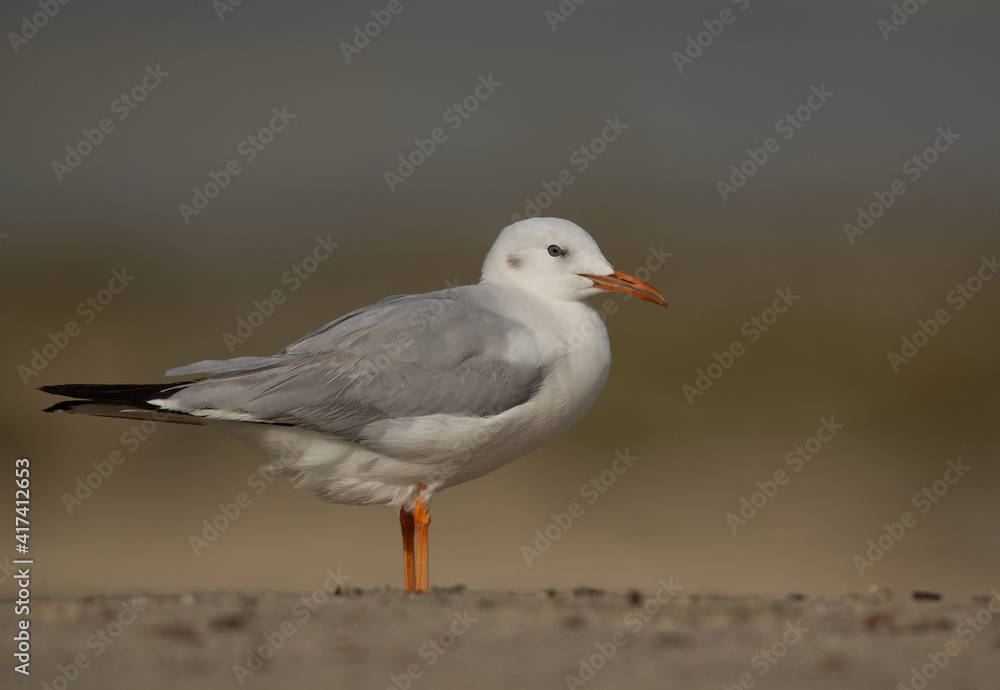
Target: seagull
[{"x": 396, "y": 401}]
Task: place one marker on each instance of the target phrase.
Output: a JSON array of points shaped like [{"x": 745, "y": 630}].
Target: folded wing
[{"x": 407, "y": 356}]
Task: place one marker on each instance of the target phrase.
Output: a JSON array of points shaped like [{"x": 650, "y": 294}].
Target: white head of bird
[{"x": 557, "y": 259}]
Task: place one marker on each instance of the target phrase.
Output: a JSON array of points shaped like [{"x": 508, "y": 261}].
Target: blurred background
[{"x": 697, "y": 84}]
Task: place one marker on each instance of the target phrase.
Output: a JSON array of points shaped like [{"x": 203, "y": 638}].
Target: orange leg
[
  {"x": 422, "y": 517},
  {"x": 409, "y": 574}
]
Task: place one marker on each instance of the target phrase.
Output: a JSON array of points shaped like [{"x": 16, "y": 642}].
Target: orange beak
[{"x": 630, "y": 285}]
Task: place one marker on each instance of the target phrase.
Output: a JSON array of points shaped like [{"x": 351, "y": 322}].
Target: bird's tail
[{"x": 127, "y": 401}]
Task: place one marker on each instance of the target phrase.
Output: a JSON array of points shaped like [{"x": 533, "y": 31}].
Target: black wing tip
[
  {"x": 64, "y": 406},
  {"x": 128, "y": 395}
]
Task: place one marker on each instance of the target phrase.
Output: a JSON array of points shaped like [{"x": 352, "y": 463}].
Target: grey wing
[
  {"x": 219, "y": 366},
  {"x": 407, "y": 356}
]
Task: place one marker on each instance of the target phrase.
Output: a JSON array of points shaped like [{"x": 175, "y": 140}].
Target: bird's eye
[{"x": 556, "y": 250}]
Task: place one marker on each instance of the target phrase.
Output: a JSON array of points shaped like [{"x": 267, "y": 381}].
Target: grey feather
[
  {"x": 406, "y": 356},
  {"x": 219, "y": 366}
]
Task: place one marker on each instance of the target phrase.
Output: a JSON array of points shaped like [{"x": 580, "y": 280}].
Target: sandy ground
[{"x": 453, "y": 638}]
